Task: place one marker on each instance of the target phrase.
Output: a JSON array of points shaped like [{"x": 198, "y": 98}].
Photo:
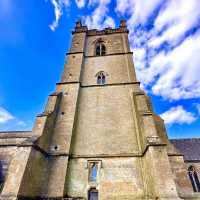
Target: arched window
[
  {"x": 93, "y": 172},
  {"x": 93, "y": 194},
  {"x": 194, "y": 179},
  {"x": 1, "y": 176},
  {"x": 100, "y": 49},
  {"x": 101, "y": 78}
]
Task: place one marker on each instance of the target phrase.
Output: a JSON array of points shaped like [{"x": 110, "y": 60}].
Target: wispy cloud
[
  {"x": 5, "y": 116},
  {"x": 178, "y": 115},
  {"x": 9, "y": 122},
  {"x": 176, "y": 18},
  {"x": 80, "y": 3},
  {"x": 59, "y": 5},
  {"x": 180, "y": 67},
  {"x": 139, "y": 11},
  {"x": 167, "y": 51},
  {"x": 99, "y": 18}
]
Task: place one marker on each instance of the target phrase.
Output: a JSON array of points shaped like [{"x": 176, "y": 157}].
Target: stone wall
[
  {"x": 105, "y": 123},
  {"x": 117, "y": 68},
  {"x": 111, "y": 125},
  {"x": 8, "y": 150},
  {"x": 118, "y": 178}
]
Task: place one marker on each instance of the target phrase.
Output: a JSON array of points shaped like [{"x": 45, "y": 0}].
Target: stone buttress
[{"x": 97, "y": 121}]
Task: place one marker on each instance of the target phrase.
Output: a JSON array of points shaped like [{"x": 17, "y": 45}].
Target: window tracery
[
  {"x": 194, "y": 179},
  {"x": 100, "y": 49},
  {"x": 101, "y": 78}
]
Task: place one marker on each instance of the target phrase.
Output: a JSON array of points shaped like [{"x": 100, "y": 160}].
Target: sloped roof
[{"x": 190, "y": 148}]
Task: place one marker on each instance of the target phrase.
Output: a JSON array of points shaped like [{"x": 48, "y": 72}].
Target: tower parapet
[{"x": 79, "y": 28}]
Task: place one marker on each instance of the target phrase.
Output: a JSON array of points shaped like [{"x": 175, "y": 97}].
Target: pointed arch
[
  {"x": 92, "y": 194},
  {"x": 101, "y": 78},
  {"x": 2, "y": 178},
  {"x": 194, "y": 178},
  {"x": 100, "y": 48},
  {"x": 93, "y": 172}
]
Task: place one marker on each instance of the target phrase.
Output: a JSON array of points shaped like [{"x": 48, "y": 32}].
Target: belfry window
[
  {"x": 101, "y": 78},
  {"x": 93, "y": 194},
  {"x": 93, "y": 172},
  {"x": 100, "y": 49},
  {"x": 194, "y": 179}
]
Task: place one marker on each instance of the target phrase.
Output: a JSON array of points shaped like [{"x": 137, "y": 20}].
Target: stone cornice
[
  {"x": 94, "y": 32},
  {"x": 105, "y": 31},
  {"x": 111, "y": 84},
  {"x": 68, "y": 82},
  {"x": 78, "y": 52},
  {"x": 111, "y": 54},
  {"x": 96, "y": 85},
  {"x": 134, "y": 154}
]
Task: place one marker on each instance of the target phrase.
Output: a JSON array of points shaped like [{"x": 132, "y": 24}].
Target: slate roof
[{"x": 190, "y": 148}]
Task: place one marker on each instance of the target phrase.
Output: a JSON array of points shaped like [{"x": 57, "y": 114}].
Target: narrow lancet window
[
  {"x": 194, "y": 179},
  {"x": 93, "y": 172},
  {"x": 101, "y": 78},
  {"x": 93, "y": 194},
  {"x": 1, "y": 176},
  {"x": 100, "y": 49}
]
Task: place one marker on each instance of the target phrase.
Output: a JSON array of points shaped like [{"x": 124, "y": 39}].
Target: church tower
[{"x": 98, "y": 137}]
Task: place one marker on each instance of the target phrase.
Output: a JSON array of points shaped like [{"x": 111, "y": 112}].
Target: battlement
[{"x": 79, "y": 28}]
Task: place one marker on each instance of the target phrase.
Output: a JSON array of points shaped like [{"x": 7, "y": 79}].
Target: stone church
[{"x": 98, "y": 137}]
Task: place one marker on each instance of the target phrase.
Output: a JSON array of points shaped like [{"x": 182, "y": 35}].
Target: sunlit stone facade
[{"x": 98, "y": 137}]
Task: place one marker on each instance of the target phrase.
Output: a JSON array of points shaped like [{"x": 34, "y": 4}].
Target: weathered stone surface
[{"x": 111, "y": 126}]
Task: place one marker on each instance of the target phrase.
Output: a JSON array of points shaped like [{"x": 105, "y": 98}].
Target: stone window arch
[
  {"x": 93, "y": 194},
  {"x": 2, "y": 177},
  {"x": 101, "y": 78},
  {"x": 194, "y": 178},
  {"x": 93, "y": 172},
  {"x": 100, "y": 49}
]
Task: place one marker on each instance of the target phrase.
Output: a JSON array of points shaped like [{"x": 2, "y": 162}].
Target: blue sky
[{"x": 164, "y": 36}]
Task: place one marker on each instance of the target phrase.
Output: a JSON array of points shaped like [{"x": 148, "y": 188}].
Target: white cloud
[
  {"x": 109, "y": 22},
  {"x": 122, "y": 6},
  {"x": 178, "y": 71},
  {"x": 172, "y": 74},
  {"x": 21, "y": 123},
  {"x": 178, "y": 115},
  {"x": 185, "y": 15},
  {"x": 5, "y": 116},
  {"x": 198, "y": 108},
  {"x": 10, "y": 122},
  {"x": 99, "y": 18},
  {"x": 80, "y": 3},
  {"x": 139, "y": 11},
  {"x": 58, "y": 11}
]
